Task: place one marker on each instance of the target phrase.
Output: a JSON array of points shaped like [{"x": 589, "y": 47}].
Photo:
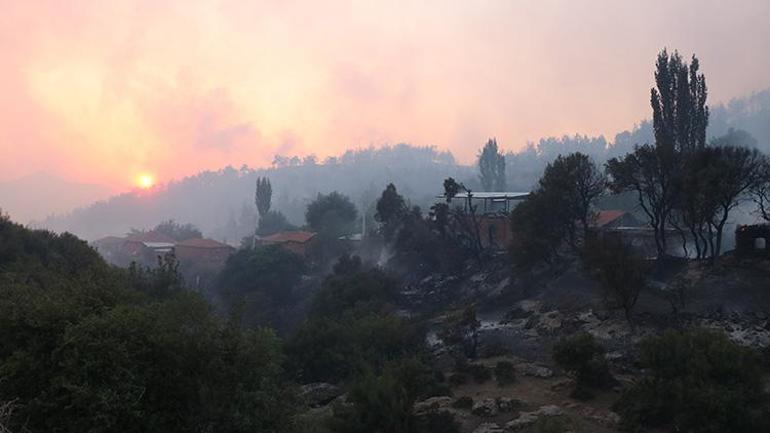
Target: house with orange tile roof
[
  {"x": 296, "y": 241},
  {"x": 201, "y": 250}
]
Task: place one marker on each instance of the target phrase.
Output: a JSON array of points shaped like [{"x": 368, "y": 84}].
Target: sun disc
[{"x": 145, "y": 181}]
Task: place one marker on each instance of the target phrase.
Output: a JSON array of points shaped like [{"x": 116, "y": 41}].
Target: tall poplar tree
[
  {"x": 492, "y": 167},
  {"x": 680, "y": 117},
  {"x": 263, "y": 196}
]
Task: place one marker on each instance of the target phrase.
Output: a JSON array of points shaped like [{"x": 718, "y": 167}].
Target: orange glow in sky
[
  {"x": 145, "y": 181},
  {"x": 97, "y": 91}
]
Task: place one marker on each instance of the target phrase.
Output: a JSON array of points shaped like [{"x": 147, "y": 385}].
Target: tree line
[{"x": 685, "y": 184}]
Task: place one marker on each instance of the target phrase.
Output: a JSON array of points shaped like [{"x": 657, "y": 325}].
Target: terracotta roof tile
[
  {"x": 605, "y": 217},
  {"x": 293, "y": 236}
]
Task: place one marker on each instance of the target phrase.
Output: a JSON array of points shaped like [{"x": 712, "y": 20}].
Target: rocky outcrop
[
  {"x": 433, "y": 404},
  {"x": 485, "y": 408},
  {"x": 527, "y": 419},
  {"x": 319, "y": 394},
  {"x": 506, "y": 404},
  {"x": 488, "y": 427},
  {"x": 534, "y": 370}
]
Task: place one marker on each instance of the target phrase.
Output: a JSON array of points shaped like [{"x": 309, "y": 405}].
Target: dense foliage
[
  {"x": 89, "y": 348},
  {"x": 349, "y": 328},
  {"x": 697, "y": 381},
  {"x": 273, "y": 222},
  {"x": 331, "y": 215},
  {"x": 260, "y": 281},
  {"x": 384, "y": 403},
  {"x": 420, "y": 245},
  {"x": 562, "y": 202},
  {"x": 391, "y": 209}
]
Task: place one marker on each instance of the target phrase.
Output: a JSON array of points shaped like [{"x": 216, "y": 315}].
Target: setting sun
[{"x": 145, "y": 181}]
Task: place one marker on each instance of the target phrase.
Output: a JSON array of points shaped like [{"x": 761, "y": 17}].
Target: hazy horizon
[{"x": 101, "y": 92}]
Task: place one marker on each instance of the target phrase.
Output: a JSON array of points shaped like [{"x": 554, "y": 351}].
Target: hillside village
[
  {"x": 603, "y": 296},
  {"x": 537, "y": 308}
]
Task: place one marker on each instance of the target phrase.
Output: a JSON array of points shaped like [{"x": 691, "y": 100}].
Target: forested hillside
[{"x": 221, "y": 202}]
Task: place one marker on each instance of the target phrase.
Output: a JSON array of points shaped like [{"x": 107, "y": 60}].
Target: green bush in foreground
[
  {"x": 385, "y": 404},
  {"x": 505, "y": 373},
  {"x": 85, "y": 347},
  {"x": 582, "y": 356},
  {"x": 698, "y": 381}
]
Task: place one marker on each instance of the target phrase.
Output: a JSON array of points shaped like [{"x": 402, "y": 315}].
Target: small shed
[
  {"x": 489, "y": 202},
  {"x": 752, "y": 241}
]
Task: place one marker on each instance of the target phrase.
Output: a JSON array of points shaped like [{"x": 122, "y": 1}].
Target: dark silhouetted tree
[
  {"x": 331, "y": 215},
  {"x": 391, "y": 209},
  {"x": 549, "y": 216},
  {"x": 680, "y": 117},
  {"x": 263, "y": 196},
  {"x": 464, "y": 218},
  {"x": 620, "y": 272},
  {"x": 492, "y": 167},
  {"x": 273, "y": 222},
  {"x": 579, "y": 183},
  {"x": 735, "y": 172}
]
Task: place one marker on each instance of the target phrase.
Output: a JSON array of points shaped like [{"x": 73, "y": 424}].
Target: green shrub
[
  {"x": 358, "y": 292},
  {"x": 505, "y": 373},
  {"x": 419, "y": 380},
  {"x": 377, "y": 404},
  {"x": 552, "y": 424},
  {"x": 697, "y": 381},
  {"x": 583, "y": 357},
  {"x": 326, "y": 349},
  {"x": 385, "y": 403},
  {"x": 479, "y": 373},
  {"x": 437, "y": 422},
  {"x": 347, "y": 331}
]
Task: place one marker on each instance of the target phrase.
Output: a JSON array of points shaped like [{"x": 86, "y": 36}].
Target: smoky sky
[{"x": 99, "y": 91}]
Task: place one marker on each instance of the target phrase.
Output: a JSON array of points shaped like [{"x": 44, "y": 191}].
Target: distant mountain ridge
[
  {"x": 221, "y": 203},
  {"x": 40, "y": 195}
]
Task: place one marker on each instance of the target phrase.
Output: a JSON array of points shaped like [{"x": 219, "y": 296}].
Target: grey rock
[
  {"x": 527, "y": 419},
  {"x": 486, "y": 407},
  {"x": 320, "y": 393},
  {"x": 506, "y": 404},
  {"x": 534, "y": 370},
  {"x": 432, "y": 404},
  {"x": 488, "y": 427}
]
